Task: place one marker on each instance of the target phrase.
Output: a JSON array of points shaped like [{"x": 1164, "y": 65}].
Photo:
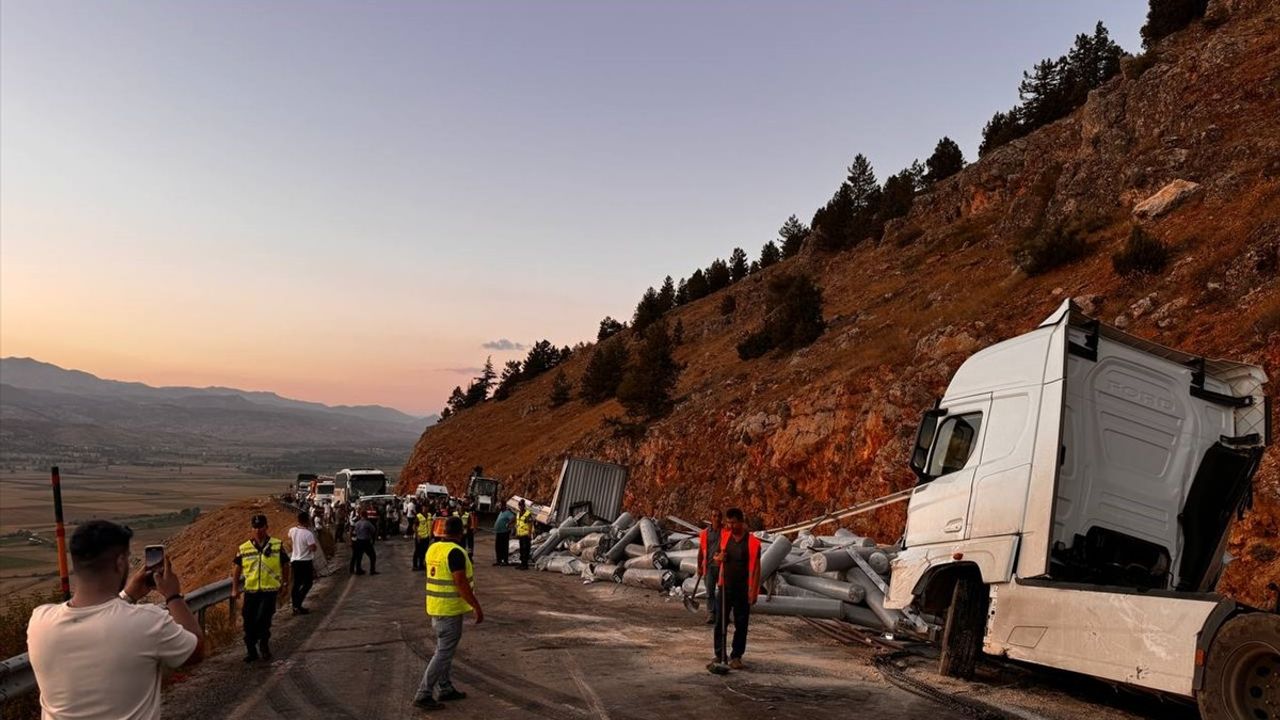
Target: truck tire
[
  {"x": 965, "y": 625},
  {"x": 1242, "y": 670}
]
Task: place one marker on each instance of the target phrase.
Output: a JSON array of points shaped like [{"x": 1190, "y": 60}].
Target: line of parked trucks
[{"x": 352, "y": 486}]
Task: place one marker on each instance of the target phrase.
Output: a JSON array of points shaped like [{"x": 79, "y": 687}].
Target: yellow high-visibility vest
[
  {"x": 443, "y": 598},
  {"x": 424, "y": 527},
  {"x": 466, "y": 522},
  {"x": 524, "y": 524},
  {"x": 262, "y": 571}
]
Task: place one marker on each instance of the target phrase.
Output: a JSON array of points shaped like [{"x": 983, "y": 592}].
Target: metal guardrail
[{"x": 17, "y": 678}]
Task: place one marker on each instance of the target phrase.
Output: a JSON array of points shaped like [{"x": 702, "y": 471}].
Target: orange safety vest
[
  {"x": 753, "y": 563},
  {"x": 437, "y": 526}
]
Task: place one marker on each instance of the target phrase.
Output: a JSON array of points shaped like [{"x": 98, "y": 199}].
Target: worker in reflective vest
[
  {"x": 265, "y": 568},
  {"x": 524, "y": 534},
  {"x": 468, "y": 527},
  {"x": 739, "y": 561},
  {"x": 421, "y": 538},
  {"x": 450, "y": 596},
  {"x": 708, "y": 568},
  {"x": 438, "y": 522}
]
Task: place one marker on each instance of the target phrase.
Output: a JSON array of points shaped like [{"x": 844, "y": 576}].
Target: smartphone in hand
[{"x": 153, "y": 557}]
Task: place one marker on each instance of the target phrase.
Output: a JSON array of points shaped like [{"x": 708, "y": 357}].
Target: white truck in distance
[{"x": 1077, "y": 487}]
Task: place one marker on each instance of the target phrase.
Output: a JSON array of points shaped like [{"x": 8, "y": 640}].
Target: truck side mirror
[{"x": 924, "y": 440}]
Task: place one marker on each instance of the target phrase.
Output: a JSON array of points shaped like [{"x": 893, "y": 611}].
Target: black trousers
[
  {"x": 419, "y": 553},
  {"x": 502, "y": 547},
  {"x": 303, "y": 576},
  {"x": 737, "y": 606},
  {"x": 359, "y": 549},
  {"x": 525, "y": 541},
  {"x": 469, "y": 543},
  {"x": 257, "y": 611}
]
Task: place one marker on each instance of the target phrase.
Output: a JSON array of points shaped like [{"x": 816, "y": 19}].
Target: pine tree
[
  {"x": 833, "y": 223},
  {"x": 946, "y": 160},
  {"x": 865, "y": 193},
  {"x": 899, "y": 194},
  {"x": 478, "y": 391},
  {"x": 667, "y": 295},
  {"x": 542, "y": 357},
  {"x": 718, "y": 275},
  {"x": 648, "y": 310},
  {"x": 651, "y": 376},
  {"x": 1165, "y": 17},
  {"x": 604, "y": 370},
  {"x": 677, "y": 332},
  {"x": 561, "y": 390},
  {"x": 698, "y": 287},
  {"x": 457, "y": 400},
  {"x": 508, "y": 381},
  {"x": 1003, "y": 127},
  {"x": 608, "y": 328},
  {"x": 738, "y": 268},
  {"x": 792, "y": 234},
  {"x": 682, "y": 292},
  {"x": 754, "y": 267},
  {"x": 769, "y": 255},
  {"x": 793, "y": 317}
]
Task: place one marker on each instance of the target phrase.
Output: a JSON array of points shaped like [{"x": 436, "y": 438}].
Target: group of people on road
[{"x": 145, "y": 638}]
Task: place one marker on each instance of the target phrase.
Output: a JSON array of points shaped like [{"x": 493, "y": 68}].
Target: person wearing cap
[
  {"x": 263, "y": 563},
  {"x": 450, "y": 596}
]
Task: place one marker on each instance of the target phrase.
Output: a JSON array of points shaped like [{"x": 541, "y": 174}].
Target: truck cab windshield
[{"x": 954, "y": 443}]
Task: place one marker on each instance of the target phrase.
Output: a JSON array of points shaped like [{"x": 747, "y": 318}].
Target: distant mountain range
[{"x": 45, "y": 405}]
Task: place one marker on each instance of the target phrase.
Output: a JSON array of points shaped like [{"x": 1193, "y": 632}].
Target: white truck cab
[{"x": 1076, "y": 489}]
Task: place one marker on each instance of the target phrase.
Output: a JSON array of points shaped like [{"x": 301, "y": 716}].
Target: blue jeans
[{"x": 448, "y": 633}]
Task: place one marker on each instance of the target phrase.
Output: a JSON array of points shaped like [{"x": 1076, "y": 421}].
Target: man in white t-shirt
[
  {"x": 100, "y": 654},
  {"x": 302, "y": 562}
]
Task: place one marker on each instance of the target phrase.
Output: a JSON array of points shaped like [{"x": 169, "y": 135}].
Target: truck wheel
[
  {"x": 965, "y": 624},
  {"x": 1242, "y": 671}
]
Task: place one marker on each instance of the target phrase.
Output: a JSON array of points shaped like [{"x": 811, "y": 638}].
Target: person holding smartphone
[{"x": 101, "y": 653}]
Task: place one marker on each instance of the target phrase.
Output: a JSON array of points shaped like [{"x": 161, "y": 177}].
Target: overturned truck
[{"x": 1076, "y": 489}]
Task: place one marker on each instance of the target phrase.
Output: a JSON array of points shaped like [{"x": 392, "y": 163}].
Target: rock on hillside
[{"x": 787, "y": 437}]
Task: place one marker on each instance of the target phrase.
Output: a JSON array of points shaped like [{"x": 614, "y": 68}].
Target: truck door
[{"x": 939, "y": 508}]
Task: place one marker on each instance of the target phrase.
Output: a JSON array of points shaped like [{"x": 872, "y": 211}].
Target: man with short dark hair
[
  {"x": 363, "y": 535},
  {"x": 450, "y": 596},
  {"x": 739, "y": 561},
  {"x": 100, "y": 654},
  {"x": 302, "y": 556},
  {"x": 502, "y": 536},
  {"x": 708, "y": 547},
  {"x": 265, "y": 567}
]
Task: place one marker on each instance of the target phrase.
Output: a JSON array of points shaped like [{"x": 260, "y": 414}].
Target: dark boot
[
  {"x": 251, "y": 653},
  {"x": 265, "y": 649}
]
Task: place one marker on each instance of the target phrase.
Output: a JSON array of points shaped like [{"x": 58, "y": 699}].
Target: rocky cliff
[{"x": 1193, "y": 128}]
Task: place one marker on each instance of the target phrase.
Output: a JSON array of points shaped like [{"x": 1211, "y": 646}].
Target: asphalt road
[{"x": 552, "y": 647}]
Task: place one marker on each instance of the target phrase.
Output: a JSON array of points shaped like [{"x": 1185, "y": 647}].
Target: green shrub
[
  {"x": 1142, "y": 254},
  {"x": 793, "y": 317},
  {"x": 1045, "y": 250}
]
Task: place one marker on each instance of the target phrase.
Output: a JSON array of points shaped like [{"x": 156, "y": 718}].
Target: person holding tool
[
  {"x": 708, "y": 568},
  {"x": 739, "y": 585}
]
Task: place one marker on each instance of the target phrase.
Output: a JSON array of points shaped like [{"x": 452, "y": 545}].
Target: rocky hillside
[{"x": 787, "y": 437}]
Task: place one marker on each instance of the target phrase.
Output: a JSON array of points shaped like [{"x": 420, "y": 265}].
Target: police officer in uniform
[
  {"x": 264, "y": 565},
  {"x": 450, "y": 596}
]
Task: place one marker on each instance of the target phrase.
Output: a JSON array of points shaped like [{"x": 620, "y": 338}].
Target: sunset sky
[{"x": 345, "y": 202}]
